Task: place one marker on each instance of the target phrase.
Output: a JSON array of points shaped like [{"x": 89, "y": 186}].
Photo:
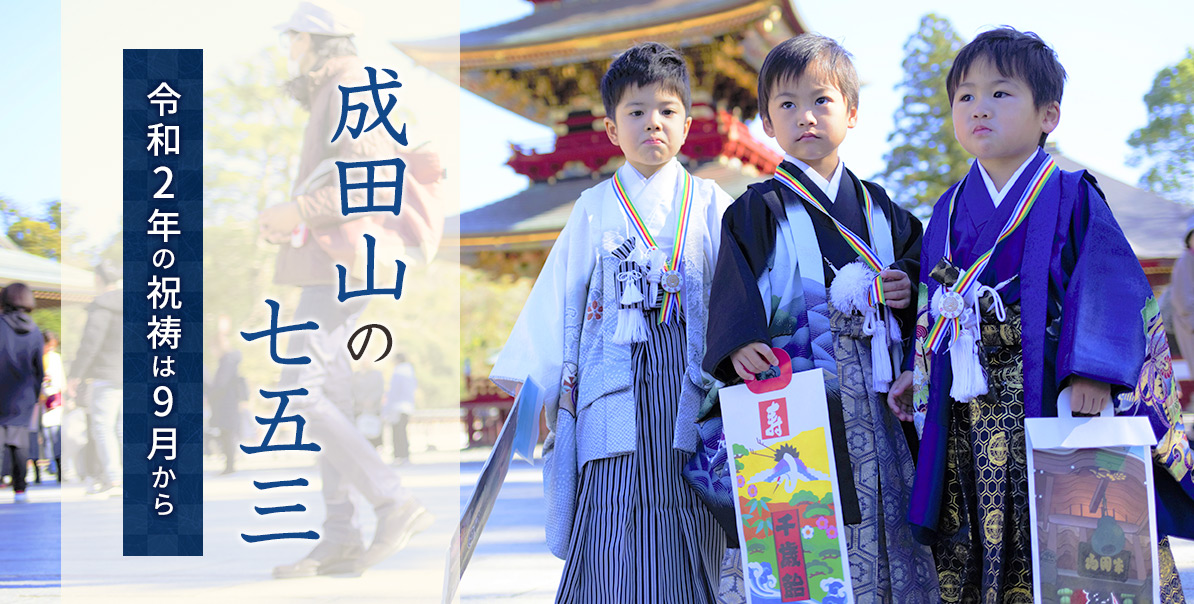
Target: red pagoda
[{"x": 547, "y": 67}]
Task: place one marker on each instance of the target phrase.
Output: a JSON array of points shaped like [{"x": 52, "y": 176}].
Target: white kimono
[{"x": 563, "y": 337}]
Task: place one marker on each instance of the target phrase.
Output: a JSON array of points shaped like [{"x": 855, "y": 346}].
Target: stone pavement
[{"x": 511, "y": 563}]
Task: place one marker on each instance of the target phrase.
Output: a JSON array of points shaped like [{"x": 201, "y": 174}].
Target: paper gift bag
[
  {"x": 790, "y": 528},
  {"x": 1094, "y": 534}
]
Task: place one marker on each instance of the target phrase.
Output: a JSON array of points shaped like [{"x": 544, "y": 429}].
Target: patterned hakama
[
  {"x": 986, "y": 494},
  {"x": 641, "y": 534},
  {"x": 886, "y": 562}
]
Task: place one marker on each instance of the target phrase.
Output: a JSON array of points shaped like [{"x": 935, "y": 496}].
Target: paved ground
[{"x": 511, "y": 563}]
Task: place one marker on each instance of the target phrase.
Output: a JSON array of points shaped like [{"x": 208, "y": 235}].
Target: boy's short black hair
[
  {"x": 793, "y": 57},
  {"x": 642, "y": 65},
  {"x": 1015, "y": 54}
]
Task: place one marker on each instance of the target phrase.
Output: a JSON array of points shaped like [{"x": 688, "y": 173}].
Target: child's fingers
[
  {"x": 1100, "y": 404},
  {"x": 1084, "y": 402},
  {"x": 769, "y": 356},
  {"x": 898, "y": 299},
  {"x": 743, "y": 372},
  {"x": 900, "y": 407},
  {"x": 756, "y": 363}
]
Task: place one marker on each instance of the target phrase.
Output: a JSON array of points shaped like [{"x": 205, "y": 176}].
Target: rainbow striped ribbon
[
  {"x": 858, "y": 244},
  {"x": 966, "y": 281},
  {"x": 671, "y": 301}
]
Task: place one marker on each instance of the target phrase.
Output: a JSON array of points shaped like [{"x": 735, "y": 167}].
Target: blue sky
[
  {"x": 1111, "y": 60},
  {"x": 29, "y": 106}
]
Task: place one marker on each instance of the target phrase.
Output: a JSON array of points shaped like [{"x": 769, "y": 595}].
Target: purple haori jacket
[{"x": 1081, "y": 292}]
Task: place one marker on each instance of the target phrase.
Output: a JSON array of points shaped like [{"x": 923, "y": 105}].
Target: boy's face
[
  {"x": 650, "y": 125},
  {"x": 996, "y": 119},
  {"x": 808, "y": 117}
]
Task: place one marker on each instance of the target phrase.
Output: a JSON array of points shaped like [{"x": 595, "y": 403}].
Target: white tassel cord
[
  {"x": 969, "y": 379},
  {"x": 631, "y": 295},
  {"x": 849, "y": 292},
  {"x": 875, "y": 326},
  {"x": 632, "y": 325}
]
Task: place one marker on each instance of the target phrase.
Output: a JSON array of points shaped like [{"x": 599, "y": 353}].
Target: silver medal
[
  {"x": 952, "y": 305},
  {"x": 671, "y": 281}
]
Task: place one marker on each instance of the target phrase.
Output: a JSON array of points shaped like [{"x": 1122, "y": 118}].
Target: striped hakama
[{"x": 641, "y": 534}]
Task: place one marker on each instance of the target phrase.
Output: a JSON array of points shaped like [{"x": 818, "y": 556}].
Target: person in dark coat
[{"x": 21, "y": 373}]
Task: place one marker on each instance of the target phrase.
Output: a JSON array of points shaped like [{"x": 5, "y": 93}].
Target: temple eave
[{"x": 599, "y": 47}]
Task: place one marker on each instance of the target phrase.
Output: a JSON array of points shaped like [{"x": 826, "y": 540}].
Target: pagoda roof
[
  {"x": 1154, "y": 226},
  {"x": 574, "y": 31},
  {"x": 532, "y": 218}
]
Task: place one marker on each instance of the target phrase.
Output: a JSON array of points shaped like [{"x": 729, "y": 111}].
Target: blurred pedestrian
[
  {"x": 313, "y": 238},
  {"x": 400, "y": 404},
  {"x": 100, "y": 359},
  {"x": 21, "y": 374},
  {"x": 52, "y": 386},
  {"x": 225, "y": 394}
]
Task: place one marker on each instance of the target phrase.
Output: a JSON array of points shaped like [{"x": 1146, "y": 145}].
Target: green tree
[
  {"x": 253, "y": 133},
  {"x": 40, "y": 236},
  {"x": 925, "y": 157},
  {"x": 489, "y": 306},
  {"x": 253, "y": 138},
  {"x": 1166, "y": 143}
]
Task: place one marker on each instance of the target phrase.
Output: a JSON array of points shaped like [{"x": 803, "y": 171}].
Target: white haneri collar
[
  {"x": 828, "y": 187},
  {"x": 997, "y": 195}
]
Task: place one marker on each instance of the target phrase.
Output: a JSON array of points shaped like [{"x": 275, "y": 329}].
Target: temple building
[
  {"x": 547, "y": 67},
  {"x": 52, "y": 283}
]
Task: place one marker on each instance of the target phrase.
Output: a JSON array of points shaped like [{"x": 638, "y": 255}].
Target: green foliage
[
  {"x": 1166, "y": 143},
  {"x": 803, "y": 497},
  {"x": 48, "y": 319},
  {"x": 38, "y": 235},
  {"x": 739, "y": 450},
  {"x": 489, "y": 306},
  {"x": 925, "y": 157},
  {"x": 814, "y": 563},
  {"x": 254, "y": 131}
]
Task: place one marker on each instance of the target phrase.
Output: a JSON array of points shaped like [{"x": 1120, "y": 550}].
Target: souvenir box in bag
[
  {"x": 1094, "y": 533},
  {"x": 790, "y": 526}
]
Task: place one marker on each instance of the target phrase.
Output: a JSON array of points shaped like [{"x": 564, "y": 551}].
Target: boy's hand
[
  {"x": 899, "y": 398},
  {"x": 751, "y": 359},
  {"x": 897, "y": 288},
  {"x": 1088, "y": 396}
]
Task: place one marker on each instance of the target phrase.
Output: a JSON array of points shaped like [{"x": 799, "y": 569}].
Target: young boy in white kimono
[{"x": 614, "y": 332}]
